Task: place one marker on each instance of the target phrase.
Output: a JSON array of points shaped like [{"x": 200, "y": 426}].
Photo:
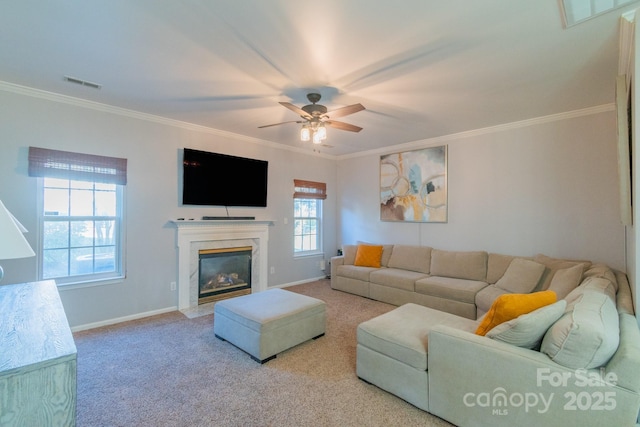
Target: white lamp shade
[{"x": 12, "y": 242}]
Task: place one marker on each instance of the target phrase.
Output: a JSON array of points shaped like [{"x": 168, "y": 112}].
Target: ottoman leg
[{"x": 263, "y": 361}]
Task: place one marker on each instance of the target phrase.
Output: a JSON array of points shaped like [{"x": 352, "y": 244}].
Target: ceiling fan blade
[
  {"x": 344, "y": 111},
  {"x": 343, "y": 126},
  {"x": 298, "y": 111},
  {"x": 283, "y": 123}
]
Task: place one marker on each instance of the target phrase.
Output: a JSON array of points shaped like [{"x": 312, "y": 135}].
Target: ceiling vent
[{"x": 82, "y": 82}]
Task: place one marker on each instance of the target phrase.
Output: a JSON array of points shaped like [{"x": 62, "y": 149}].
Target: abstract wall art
[{"x": 413, "y": 185}]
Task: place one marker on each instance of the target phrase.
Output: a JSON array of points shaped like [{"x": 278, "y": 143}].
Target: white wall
[
  {"x": 549, "y": 187},
  {"x": 152, "y": 197}
]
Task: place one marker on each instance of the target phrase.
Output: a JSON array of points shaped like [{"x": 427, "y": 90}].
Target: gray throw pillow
[
  {"x": 528, "y": 329},
  {"x": 522, "y": 276},
  {"x": 566, "y": 280}
]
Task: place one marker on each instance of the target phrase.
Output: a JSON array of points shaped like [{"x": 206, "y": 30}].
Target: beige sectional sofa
[{"x": 573, "y": 362}]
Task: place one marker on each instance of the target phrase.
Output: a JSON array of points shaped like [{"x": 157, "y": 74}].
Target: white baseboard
[
  {"x": 286, "y": 285},
  {"x": 167, "y": 310},
  {"x": 122, "y": 319}
]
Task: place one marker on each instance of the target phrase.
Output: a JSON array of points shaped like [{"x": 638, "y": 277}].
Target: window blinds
[
  {"x": 76, "y": 166},
  {"x": 309, "y": 189}
]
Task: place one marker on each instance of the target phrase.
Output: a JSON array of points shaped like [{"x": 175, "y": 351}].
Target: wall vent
[{"x": 82, "y": 82}]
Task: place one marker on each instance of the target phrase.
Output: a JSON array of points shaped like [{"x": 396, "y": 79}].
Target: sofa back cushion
[
  {"x": 598, "y": 284},
  {"x": 413, "y": 258},
  {"x": 470, "y": 265},
  {"x": 602, "y": 271},
  {"x": 522, "y": 276},
  {"x": 349, "y": 253}
]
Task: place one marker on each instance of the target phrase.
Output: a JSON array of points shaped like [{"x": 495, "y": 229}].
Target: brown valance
[
  {"x": 77, "y": 166},
  {"x": 309, "y": 189}
]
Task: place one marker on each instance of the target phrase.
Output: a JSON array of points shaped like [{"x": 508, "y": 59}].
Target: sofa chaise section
[{"x": 438, "y": 362}]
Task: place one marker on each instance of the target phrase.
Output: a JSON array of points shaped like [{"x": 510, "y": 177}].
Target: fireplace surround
[{"x": 194, "y": 236}]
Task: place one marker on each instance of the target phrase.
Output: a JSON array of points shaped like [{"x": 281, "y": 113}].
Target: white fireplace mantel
[{"x": 192, "y": 235}]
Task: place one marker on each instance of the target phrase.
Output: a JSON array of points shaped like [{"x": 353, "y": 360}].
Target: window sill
[
  {"x": 308, "y": 254},
  {"x": 67, "y": 286}
]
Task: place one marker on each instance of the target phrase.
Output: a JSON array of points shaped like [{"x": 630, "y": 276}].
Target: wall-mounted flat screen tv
[{"x": 222, "y": 180}]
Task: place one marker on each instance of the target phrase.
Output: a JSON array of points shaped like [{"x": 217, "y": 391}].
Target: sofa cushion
[
  {"x": 450, "y": 288},
  {"x": 486, "y": 297},
  {"x": 587, "y": 335},
  {"x": 368, "y": 256},
  {"x": 349, "y": 253},
  {"x": 395, "y": 278},
  {"x": 462, "y": 265},
  {"x": 566, "y": 279},
  {"x": 402, "y": 333},
  {"x": 602, "y": 271},
  {"x": 598, "y": 284},
  {"x": 527, "y": 330},
  {"x": 355, "y": 272},
  {"x": 414, "y": 258},
  {"x": 510, "y": 306},
  {"x": 522, "y": 276}
]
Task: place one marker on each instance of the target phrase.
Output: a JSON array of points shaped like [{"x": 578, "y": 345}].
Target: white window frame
[
  {"x": 318, "y": 235},
  {"x": 84, "y": 168},
  {"x": 85, "y": 279}
]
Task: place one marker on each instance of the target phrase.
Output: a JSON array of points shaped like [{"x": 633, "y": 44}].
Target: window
[
  {"x": 307, "y": 208},
  {"x": 81, "y": 217}
]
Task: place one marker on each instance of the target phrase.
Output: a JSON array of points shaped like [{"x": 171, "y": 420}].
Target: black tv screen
[{"x": 223, "y": 180}]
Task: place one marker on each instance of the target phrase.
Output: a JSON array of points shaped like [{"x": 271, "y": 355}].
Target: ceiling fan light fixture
[
  {"x": 317, "y": 139},
  {"x": 322, "y": 132},
  {"x": 305, "y": 133}
]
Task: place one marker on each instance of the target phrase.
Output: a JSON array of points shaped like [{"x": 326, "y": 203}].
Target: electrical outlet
[
  {"x": 173, "y": 286},
  {"x": 272, "y": 270},
  {"x": 322, "y": 265}
]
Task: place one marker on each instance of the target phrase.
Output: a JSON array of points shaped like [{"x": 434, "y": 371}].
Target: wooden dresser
[{"x": 37, "y": 357}]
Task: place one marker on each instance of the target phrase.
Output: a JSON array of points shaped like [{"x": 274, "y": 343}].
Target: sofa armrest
[
  {"x": 477, "y": 381},
  {"x": 335, "y": 262}
]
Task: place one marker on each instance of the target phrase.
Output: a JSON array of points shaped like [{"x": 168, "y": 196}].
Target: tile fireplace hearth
[{"x": 195, "y": 236}]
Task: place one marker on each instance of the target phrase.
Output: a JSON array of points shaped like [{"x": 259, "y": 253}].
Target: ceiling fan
[{"x": 316, "y": 117}]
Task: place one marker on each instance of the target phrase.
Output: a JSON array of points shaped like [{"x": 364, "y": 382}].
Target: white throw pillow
[
  {"x": 528, "y": 329},
  {"x": 587, "y": 336},
  {"x": 521, "y": 277}
]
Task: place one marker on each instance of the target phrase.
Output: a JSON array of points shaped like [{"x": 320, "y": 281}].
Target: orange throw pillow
[
  {"x": 510, "y": 306},
  {"x": 368, "y": 256}
]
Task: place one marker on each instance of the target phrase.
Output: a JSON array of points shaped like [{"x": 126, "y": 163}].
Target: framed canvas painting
[{"x": 413, "y": 185}]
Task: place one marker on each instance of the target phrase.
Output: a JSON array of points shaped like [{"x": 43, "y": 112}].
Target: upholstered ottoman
[{"x": 266, "y": 323}]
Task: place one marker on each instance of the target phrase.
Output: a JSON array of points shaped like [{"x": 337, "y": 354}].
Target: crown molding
[
  {"x": 105, "y": 108},
  {"x": 484, "y": 131},
  {"x": 81, "y": 103}
]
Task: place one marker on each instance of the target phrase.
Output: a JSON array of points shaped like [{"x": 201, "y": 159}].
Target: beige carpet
[{"x": 169, "y": 370}]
